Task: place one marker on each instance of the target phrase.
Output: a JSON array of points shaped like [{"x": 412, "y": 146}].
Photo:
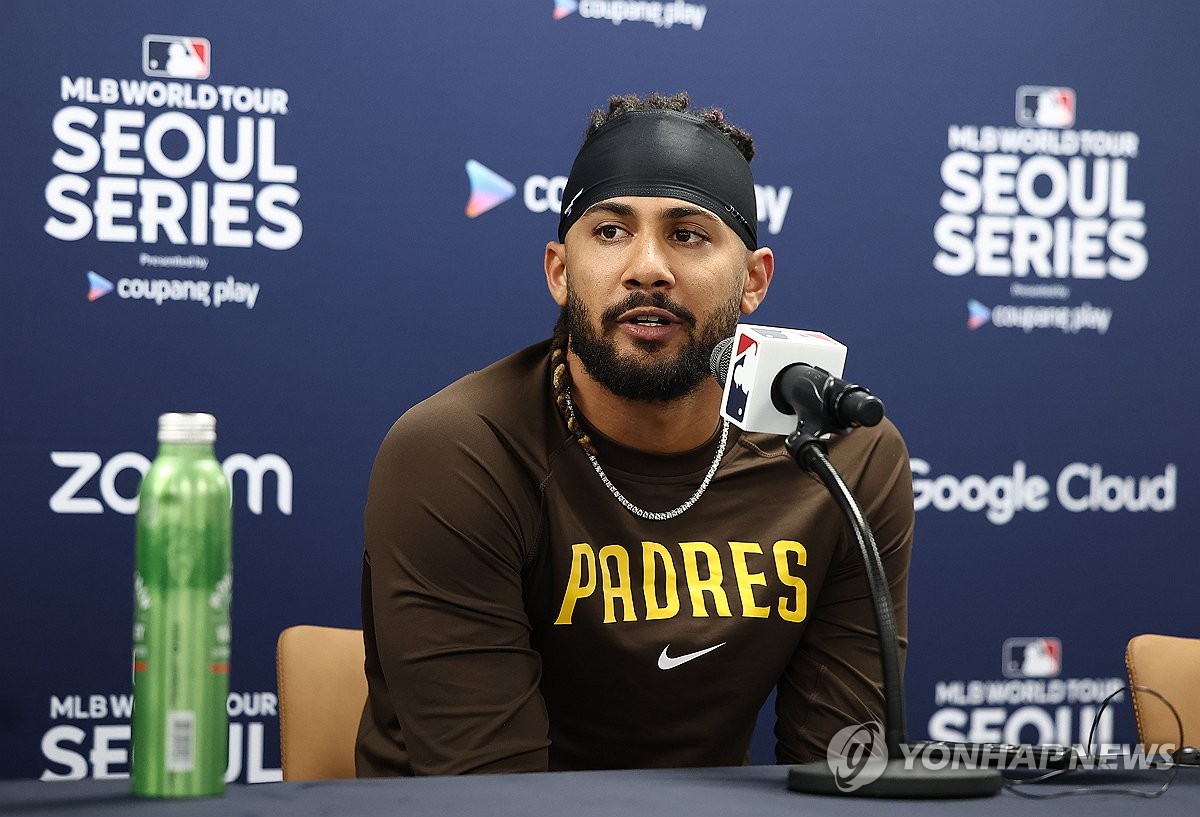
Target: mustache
[{"x": 656, "y": 299}]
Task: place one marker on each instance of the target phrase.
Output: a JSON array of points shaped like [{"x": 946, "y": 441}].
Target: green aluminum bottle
[{"x": 181, "y": 633}]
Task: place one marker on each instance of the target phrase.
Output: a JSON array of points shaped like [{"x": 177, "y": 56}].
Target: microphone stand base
[{"x": 900, "y": 779}]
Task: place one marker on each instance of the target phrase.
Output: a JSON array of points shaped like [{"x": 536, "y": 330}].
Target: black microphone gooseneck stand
[
  {"x": 822, "y": 409},
  {"x": 810, "y": 455}
]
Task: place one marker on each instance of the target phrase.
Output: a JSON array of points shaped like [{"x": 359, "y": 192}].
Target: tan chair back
[
  {"x": 1171, "y": 667},
  {"x": 322, "y": 690}
]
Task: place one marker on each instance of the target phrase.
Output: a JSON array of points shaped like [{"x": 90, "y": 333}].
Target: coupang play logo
[
  {"x": 543, "y": 194},
  {"x": 174, "y": 290},
  {"x": 98, "y": 286},
  {"x": 488, "y": 189},
  {"x": 659, "y": 14}
]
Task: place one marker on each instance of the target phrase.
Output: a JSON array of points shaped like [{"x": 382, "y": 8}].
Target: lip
[
  {"x": 658, "y": 332},
  {"x": 648, "y": 312}
]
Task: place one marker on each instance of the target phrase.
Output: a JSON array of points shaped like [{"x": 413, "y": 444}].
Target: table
[{"x": 752, "y": 791}]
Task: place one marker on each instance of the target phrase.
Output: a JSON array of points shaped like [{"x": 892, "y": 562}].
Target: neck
[{"x": 661, "y": 428}]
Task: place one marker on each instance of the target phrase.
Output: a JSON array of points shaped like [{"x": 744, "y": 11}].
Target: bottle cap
[{"x": 187, "y": 428}]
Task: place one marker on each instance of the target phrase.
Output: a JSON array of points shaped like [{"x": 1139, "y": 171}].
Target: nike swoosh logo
[
  {"x": 573, "y": 200},
  {"x": 667, "y": 662}
]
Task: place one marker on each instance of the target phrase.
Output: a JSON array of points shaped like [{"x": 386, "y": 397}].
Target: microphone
[
  {"x": 770, "y": 375},
  {"x": 788, "y": 382}
]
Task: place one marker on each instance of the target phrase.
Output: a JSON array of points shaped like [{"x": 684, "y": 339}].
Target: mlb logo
[
  {"x": 758, "y": 354},
  {"x": 741, "y": 377},
  {"x": 165, "y": 55},
  {"x": 1032, "y": 657},
  {"x": 1044, "y": 107}
]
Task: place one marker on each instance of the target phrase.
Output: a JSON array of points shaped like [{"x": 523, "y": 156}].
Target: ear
[
  {"x": 760, "y": 266},
  {"x": 556, "y": 272}
]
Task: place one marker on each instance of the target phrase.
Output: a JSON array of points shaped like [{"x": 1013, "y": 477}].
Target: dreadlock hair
[
  {"x": 679, "y": 102},
  {"x": 560, "y": 382}
]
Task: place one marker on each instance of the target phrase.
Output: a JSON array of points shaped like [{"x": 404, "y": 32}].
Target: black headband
[{"x": 663, "y": 153}]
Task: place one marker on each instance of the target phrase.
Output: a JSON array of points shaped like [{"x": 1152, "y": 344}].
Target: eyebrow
[
  {"x": 616, "y": 208},
  {"x": 672, "y": 213}
]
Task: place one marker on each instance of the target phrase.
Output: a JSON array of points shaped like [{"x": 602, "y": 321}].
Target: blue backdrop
[{"x": 261, "y": 210}]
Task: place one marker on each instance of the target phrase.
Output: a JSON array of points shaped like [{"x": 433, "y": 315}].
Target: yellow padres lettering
[{"x": 702, "y": 584}]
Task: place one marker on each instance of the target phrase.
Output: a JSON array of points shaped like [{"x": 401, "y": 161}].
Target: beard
[{"x": 652, "y": 377}]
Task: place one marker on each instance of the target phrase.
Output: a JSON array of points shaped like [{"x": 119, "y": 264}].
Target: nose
[{"x": 649, "y": 268}]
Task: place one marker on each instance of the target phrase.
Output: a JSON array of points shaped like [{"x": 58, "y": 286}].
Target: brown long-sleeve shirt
[{"x": 517, "y": 618}]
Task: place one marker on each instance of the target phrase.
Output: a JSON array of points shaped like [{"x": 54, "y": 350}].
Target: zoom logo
[{"x": 118, "y": 491}]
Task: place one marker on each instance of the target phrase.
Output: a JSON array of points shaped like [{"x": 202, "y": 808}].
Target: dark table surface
[{"x": 756, "y": 791}]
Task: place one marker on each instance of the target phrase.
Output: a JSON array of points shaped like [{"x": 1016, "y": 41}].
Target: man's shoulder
[
  {"x": 508, "y": 397},
  {"x": 872, "y": 460},
  {"x": 883, "y": 438},
  {"x": 874, "y": 463}
]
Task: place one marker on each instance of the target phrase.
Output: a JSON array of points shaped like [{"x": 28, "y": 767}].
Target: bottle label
[{"x": 181, "y": 741}]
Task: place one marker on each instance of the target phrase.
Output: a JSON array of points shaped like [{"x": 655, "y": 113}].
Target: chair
[
  {"x": 1171, "y": 667},
  {"x": 322, "y": 690}
]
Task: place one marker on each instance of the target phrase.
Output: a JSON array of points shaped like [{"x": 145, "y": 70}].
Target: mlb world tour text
[
  {"x": 92, "y": 737},
  {"x": 130, "y": 175}
]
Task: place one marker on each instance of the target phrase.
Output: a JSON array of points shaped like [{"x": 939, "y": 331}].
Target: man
[{"x": 571, "y": 561}]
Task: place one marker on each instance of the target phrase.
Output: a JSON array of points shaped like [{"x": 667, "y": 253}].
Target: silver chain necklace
[{"x": 629, "y": 506}]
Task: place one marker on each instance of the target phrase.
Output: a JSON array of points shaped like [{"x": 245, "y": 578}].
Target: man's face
[{"x": 651, "y": 286}]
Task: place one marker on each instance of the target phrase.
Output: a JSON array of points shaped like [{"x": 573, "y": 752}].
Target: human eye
[
  {"x": 687, "y": 235},
  {"x": 609, "y": 232}
]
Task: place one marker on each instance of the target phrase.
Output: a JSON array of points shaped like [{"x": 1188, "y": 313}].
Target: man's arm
[
  {"x": 835, "y": 676},
  {"x": 453, "y": 681}
]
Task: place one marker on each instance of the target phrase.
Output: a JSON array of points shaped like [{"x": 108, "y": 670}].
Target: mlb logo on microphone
[
  {"x": 1045, "y": 107},
  {"x": 741, "y": 375},
  {"x": 1032, "y": 657},
  {"x": 166, "y": 55},
  {"x": 759, "y": 353}
]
